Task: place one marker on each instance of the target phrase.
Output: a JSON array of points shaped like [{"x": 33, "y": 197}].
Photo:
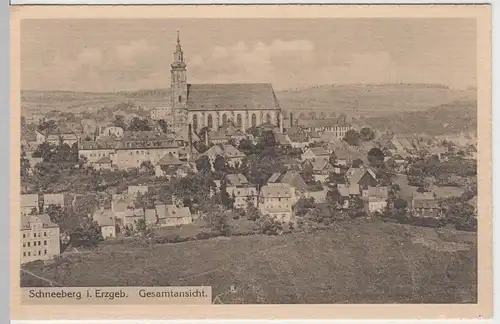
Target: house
[
  {"x": 347, "y": 191},
  {"x": 106, "y": 220},
  {"x": 241, "y": 191},
  {"x": 342, "y": 157},
  {"x": 150, "y": 217},
  {"x": 172, "y": 215},
  {"x": 277, "y": 201},
  {"x": 337, "y": 126},
  {"x": 283, "y": 140},
  {"x": 29, "y": 203},
  {"x": 65, "y": 137},
  {"x": 40, "y": 238},
  {"x": 111, "y": 131},
  {"x": 104, "y": 163},
  {"x": 425, "y": 204},
  {"x": 135, "y": 191},
  {"x": 376, "y": 199},
  {"x": 182, "y": 136},
  {"x": 299, "y": 140},
  {"x": 188, "y": 154},
  {"x": 438, "y": 151},
  {"x": 294, "y": 179},
  {"x": 321, "y": 168},
  {"x": 228, "y": 151},
  {"x": 167, "y": 165},
  {"x": 397, "y": 162},
  {"x": 363, "y": 178},
  {"x": 396, "y": 144},
  {"x": 314, "y": 153},
  {"x": 53, "y": 199}
]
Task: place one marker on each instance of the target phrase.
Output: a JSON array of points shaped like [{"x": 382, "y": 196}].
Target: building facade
[
  {"x": 40, "y": 238},
  {"x": 213, "y": 105}
]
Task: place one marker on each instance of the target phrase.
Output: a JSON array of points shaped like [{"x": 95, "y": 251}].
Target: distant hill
[
  {"x": 450, "y": 118},
  {"x": 364, "y": 102},
  {"x": 370, "y": 100}
]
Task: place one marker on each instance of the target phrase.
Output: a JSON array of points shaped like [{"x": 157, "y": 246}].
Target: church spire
[{"x": 178, "y": 54}]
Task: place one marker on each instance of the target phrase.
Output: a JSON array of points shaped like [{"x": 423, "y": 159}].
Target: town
[{"x": 224, "y": 160}]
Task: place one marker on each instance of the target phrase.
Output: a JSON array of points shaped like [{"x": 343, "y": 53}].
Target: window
[
  {"x": 44, "y": 252},
  {"x": 39, "y": 252},
  {"x": 44, "y": 233},
  {"x": 224, "y": 119},
  {"x": 210, "y": 122},
  {"x": 44, "y": 242},
  {"x": 238, "y": 120},
  {"x": 180, "y": 98},
  {"x": 29, "y": 253},
  {"x": 28, "y": 244},
  {"x": 24, "y": 254},
  {"x": 24, "y": 235},
  {"x": 254, "y": 120},
  {"x": 24, "y": 244},
  {"x": 268, "y": 119}
]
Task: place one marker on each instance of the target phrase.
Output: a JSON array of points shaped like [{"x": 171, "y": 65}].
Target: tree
[
  {"x": 119, "y": 122},
  {"x": 270, "y": 226},
  {"x": 138, "y": 124},
  {"x": 252, "y": 213},
  {"x": 225, "y": 199},
  {"x": 332, "y": 159},
  {"x": 219, "y": 221},
  {"x": 25, "y": 164},
  {"x": 141, "y": 226},
  {"x": 367, "y": 134},
  {"x": 148, "y": 167},
  {"x": 55, "y": 212},
  {"x": 352, "y": 137},
  {"x": 221, "y": 165},
  {"x": 86, "y": 234},
  {"x": 376, "y": 157},
  {"x": 246, "y": 146},
  {"x": 203, "y": 164},
  {"x": 357, "y": 163},
  {"x": 303, "y": 205},
  {"x": 335, "y": 179},
  {"x": 44, "y": 151},
  {"x": 203, "y": 133},
  {"x": 333, "y": 196},
  {"x": 356, "y": 207},
  {"x": 308, "y": 174},
  {"x": 47, "y": 126},
  {"x": 163, "y": 125}
]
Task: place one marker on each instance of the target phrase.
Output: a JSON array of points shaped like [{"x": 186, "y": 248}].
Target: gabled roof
[
  {"x": 53, "y": 199},
  {"x": 276, "y": 191},
  {"x": 291, "y": 178},
  {"x": 357, "y": 174},
  {"x": 29, "y": 200},
  {"x": 282, "y": 139},
  {"x": 104, "y": 160},
  {"x": 183, "y": 135},
  {"x": 248, "y": 191},
  {"x": 323, "y": 122},
  {"x": 169, "y": 159},
  {"x": 423, "y": 196},
  {"x": 321, "y": 165},
  {"x": 319, "y": 151},
  {"x": 233, "y": 96},
  {"x": 172, "y": 211},
  {"x": 225, "y": 150},
  {"x": 298, "y": 138},
  {"x": 27, "y": 220},
  {"x": 275, "y": 177},
  {"x": 236, "y": 179},
  {"x": 426, "y": 203},
  {"x": 104, "y": 217}
]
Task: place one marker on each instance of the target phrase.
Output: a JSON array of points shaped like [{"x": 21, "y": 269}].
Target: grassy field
[{"x": 362, "y": 261}]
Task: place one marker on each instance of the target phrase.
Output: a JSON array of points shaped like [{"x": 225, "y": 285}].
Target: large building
[
  {"x": 39, "y": 238},
  {"x": 212, "y": 105}
]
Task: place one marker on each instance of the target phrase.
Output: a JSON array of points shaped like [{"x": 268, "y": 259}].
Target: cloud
[{"x": 129, "y": 53}]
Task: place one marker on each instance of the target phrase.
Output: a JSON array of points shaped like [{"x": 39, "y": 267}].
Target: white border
[{"x": 5, "y": 140}]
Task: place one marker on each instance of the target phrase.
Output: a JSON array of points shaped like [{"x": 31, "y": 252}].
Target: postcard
[{"x": 251, "y": 162}]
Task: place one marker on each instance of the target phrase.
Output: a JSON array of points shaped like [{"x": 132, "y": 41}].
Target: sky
[{"x": 106, "y": 55}]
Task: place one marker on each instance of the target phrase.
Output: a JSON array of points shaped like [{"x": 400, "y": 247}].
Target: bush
[{"x": 270, "y": 226}]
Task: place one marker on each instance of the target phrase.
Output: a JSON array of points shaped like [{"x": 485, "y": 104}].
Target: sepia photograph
[{"x": 314, "y": 160}]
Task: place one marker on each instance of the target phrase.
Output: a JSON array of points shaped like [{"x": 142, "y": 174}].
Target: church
[{"x": 213, "y": 105}]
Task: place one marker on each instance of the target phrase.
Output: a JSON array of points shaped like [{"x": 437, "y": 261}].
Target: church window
[
  {"x": 254, "y": 120},
  {"x": 180, "y": 98},
  {"x": 210, "y": 122},
  {"x": 224, "y": 119},
  {"x": 268, "y": 119},
  {"x": 238, "y": 120},
  {"x": 195, "y": 122}
]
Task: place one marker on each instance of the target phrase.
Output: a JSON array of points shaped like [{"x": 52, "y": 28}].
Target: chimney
[
  {"x": 206, "y": 137},
  {"x": 190, "y": 139},
  {"x": 291, "y": 119}
]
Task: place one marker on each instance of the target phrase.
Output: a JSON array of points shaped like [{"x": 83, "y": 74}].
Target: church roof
[{"x": 232, "y": 96}]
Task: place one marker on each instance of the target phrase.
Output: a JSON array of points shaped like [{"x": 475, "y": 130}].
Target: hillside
[
  {"x": 353, "y": 262},
  {"x": 451, "y": 118},
  {"x": 371, "y": 100}
]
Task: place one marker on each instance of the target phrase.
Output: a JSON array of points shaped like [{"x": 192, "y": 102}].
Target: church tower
[{"x": 178, "y": 85}]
